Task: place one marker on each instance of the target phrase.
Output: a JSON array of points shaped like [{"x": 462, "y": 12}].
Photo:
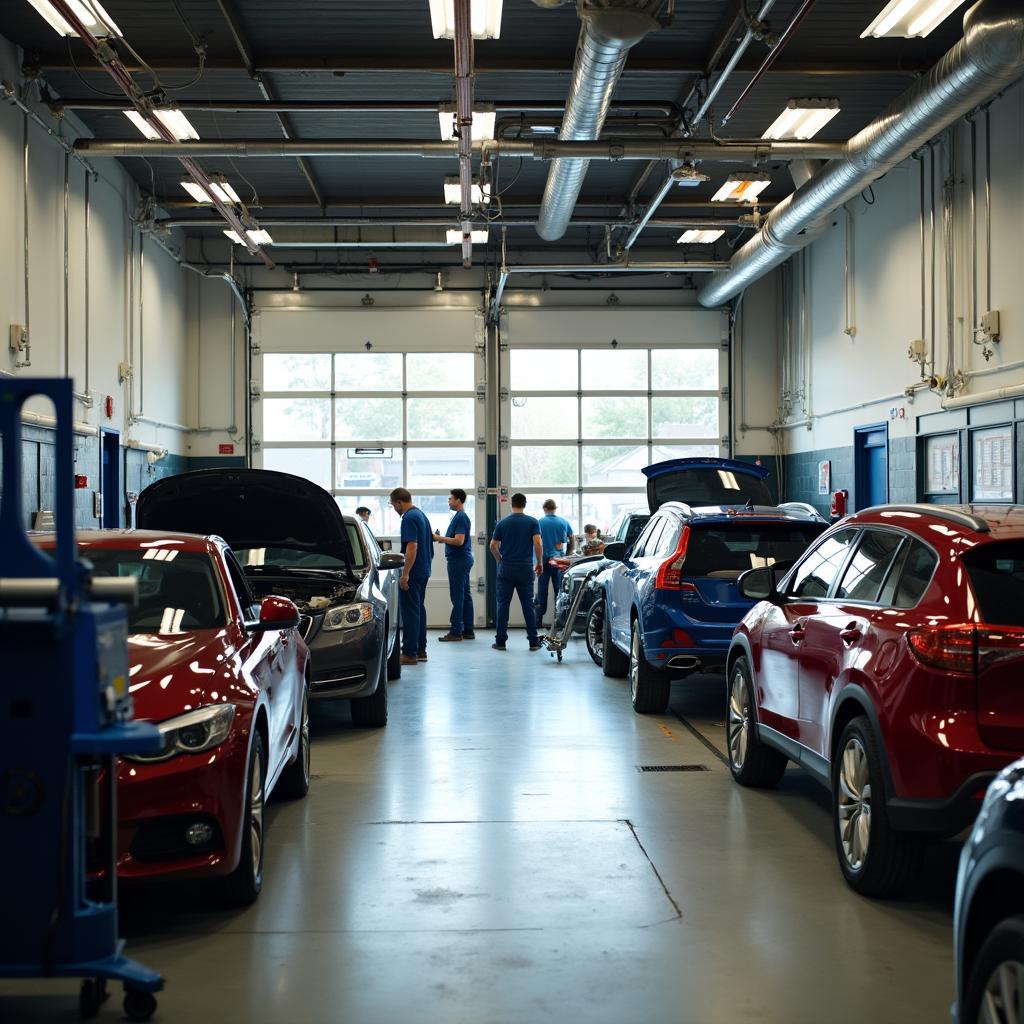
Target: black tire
[
  {"x": 91, "y": 997},
  {"x": 875, "y": 859},
  {"x": 751, "y": 762},
  {"x": 139, "y": 1005},
  {"x": 594, "y": 633},
  {"x": 614, "y": 663},
  {"x": 1002, "y": 950},
  {"x": 372, "y": 712},
  {"x": 294, "y": 781},
  {"x": 395, "y": 657},
  {"x": 650, "y": 686},
  {"x": 243, "y": 885}
]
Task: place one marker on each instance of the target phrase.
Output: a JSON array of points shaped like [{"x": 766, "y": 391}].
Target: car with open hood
[{"x": 291, "y": 538}]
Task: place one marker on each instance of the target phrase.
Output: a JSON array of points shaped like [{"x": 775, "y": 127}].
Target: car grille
[{"x": 164, "y": 838}]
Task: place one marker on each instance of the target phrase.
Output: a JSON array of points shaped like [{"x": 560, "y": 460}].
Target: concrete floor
[{"x": 495, "y": 855}]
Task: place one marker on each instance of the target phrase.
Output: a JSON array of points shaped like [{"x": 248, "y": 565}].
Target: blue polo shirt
[
  {"x": 515, "y": 534},
  {"x": 554, "y": 531},
  {"x": 416, "y": 527},
  {"x": 459, "y": 524}
]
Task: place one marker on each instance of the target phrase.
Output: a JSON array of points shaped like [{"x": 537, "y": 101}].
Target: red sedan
[
  {"x": 226, "y": 681},
  {"x": 887, "y": 662}
]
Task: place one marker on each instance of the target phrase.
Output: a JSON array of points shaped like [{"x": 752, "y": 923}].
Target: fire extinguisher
[{"x": 839, "y": 501}]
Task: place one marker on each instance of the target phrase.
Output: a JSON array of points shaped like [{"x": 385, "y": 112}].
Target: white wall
[{"x": 158, "y": 355}]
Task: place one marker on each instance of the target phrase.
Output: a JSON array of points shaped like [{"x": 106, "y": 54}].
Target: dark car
[
  {"x": 988, "y": 923},
  {"x": 887, "y": 662},
  {"x": 292, "y": 539}
]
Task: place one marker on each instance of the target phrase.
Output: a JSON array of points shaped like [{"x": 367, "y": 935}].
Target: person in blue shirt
[
  {"x": 517, "y": 549},
  {"x": 458, "y": 555},
  {"x": 557, "y": 540},
  {"x": 418, "y": 548}
]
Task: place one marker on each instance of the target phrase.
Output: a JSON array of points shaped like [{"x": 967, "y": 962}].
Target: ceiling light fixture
[
  {"x": 687, "y": 176},
  {"x": 484, "y": 18},
  {"x": 257, "y": 236},
  {"x": 699, "y": 237},
  {"x": 802, "y": 119},
  {"x": 222, "y": 190},
  {"x": 741, "y": 188},
  {"x": 91, "y": 15},
  {"x": 910, "y": 18},
  {"x": 173, "y": 120},
  {"x": 483, "y": 121},
  {"x": 453, "y": 193},
  {"x": 454, "y": 237}
]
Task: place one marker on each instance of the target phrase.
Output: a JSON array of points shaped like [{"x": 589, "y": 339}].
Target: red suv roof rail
[{"x": 949, "y": 513}]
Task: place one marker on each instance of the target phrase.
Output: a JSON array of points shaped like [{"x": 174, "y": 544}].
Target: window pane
[
  {"x": 684, "y": 369},
  {"x": 441, "y": 419},
  {"x": 867, "y": 570},
  {"x": 368, "y": 467},
  {"x": 544, "y": 369},
  {"x": 439, "y": 371},
  {"x": 917, "y": 574},
  {"x": 993, "y": 464},
  {"x": 997, "y": 578},
  {"x": 613, "y": 465},
  {"x": 542, "y": 466},
  {"x": 441, "y": 467},
  {"x": 942, "y": 464},
  {"x": 368, "y": 371},
  {"x": 368, "y": 419},
  {"x": 603, "y": 509},
  {"x": 615, "y": 370},
  {"x": 664, "y": 452},
  {"x": 297, "y": 419},
  {"x": 544, "y": 418},
  {"x": 819, "y": 569},
  {"x": 312, "y": 463},
  {"x": 435, "y": 506},
  {"x": 614, "y": 417},
  {"x": 384, "y": 522},
  {"x": 565, "y": 500},
  {"x": 287, "y": 371},
  {"x": 684, "y": 417}
]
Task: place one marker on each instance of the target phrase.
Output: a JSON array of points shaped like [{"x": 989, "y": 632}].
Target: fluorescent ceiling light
[
  {"x": 483, "y": 121},
  {"x": 802, "y": 119},
  {"x": 741, "y": 188},
  {"x": 173, "y": 120},
  {"x": 910, "y": 18},
  {"x": 256, "y": 237},
  {"x": 91, "y": 15},
  {"x": 222, "y": 190},
  {"x": 699, "y": 237},
  {"x": 453, "y": 193},
  {"x": 484, "y": 18},
  {"x": 454, "y": 237}
]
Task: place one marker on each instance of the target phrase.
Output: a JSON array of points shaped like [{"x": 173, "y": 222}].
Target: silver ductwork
[
  {"x": 610, "y": 29},
  {"x": 988, "y": 58}
]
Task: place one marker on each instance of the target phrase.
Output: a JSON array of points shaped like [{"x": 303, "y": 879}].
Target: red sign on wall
[{"x": 226, "y": 449}]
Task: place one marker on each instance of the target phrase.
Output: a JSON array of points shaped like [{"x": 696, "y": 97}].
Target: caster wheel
[
  {"x": 91, "y": 997},
  {"x": 559, "y": 657},
  {"x": 139, "y": 1005}
]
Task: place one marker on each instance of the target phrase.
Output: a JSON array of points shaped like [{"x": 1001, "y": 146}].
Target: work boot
[
  {"x": 450, "y": 638},
  {"x": 469, "y": 636},
  {"x": 422, "y": 656},
  {"x": 407, "y": 659}
]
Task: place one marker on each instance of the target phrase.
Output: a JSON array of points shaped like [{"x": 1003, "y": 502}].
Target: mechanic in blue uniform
[
  {"x": 517, "y": 550},
  {"x": 557, "y": 540},
  {"x": 458, "y": 556},
  {"x": 418, "y": 548}
]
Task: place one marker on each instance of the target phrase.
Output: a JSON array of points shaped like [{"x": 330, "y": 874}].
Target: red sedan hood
[{"x": 176, "y": 673}]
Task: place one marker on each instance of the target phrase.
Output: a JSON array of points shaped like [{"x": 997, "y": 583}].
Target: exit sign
[{"x": 226, "y": 449}]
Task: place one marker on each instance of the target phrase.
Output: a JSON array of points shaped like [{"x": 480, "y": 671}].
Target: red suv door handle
[
  {"x": 851, "y": 634},
  {"x": 796, "y": 634}
]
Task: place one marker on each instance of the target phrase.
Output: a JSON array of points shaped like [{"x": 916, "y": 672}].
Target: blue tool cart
[{"x": 65, "y": 712}]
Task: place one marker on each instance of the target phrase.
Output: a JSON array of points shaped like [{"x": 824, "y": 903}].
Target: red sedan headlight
[{"x": 191, "y": 733}]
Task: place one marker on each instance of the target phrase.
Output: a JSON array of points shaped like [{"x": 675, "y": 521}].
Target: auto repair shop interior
[{"x": 736, "y": 282}]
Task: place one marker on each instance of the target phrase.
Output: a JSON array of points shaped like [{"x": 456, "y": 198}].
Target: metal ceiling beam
[
  {"x": 167, "y": 223},
  {"x": 227, "y": 9}
]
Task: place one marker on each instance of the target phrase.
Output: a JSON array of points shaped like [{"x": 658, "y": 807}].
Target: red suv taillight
[
  {"x": 966, "y": 648},
  {"x": 670, "y": 574}
]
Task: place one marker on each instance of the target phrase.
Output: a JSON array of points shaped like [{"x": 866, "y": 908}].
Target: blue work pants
[
  {"x": 515, "y": 579},
  {"x": 462, "y": 598},
  {"x": 414, "y": 616},
  {"x": 551, "y": 576}
]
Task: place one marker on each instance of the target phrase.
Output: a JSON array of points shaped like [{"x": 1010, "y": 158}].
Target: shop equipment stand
[
  {"x": 65, "y": 711},
  {"x": 556, "y": 642}
]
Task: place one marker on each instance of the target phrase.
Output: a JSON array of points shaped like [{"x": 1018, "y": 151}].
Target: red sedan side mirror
[{"x": 275, "y": 613}]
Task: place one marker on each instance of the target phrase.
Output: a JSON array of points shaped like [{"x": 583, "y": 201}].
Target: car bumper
[
  {"x": 707, "y": 654},
  {"x": 945, "y": 816},
  {"x": 346, "y": 662}
]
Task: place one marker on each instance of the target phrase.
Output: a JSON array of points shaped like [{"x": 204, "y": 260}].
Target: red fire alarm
[
  {"x": 108, "y": 406},
  {"x": 81, "y": 482},
  {"x": 374, "y": 265},
  {"x": 226, "y": 449}
]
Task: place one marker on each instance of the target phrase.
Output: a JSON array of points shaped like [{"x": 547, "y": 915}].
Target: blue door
[
  {"x": 871, "y": 466},
  {"x": 110, "y": 478}
]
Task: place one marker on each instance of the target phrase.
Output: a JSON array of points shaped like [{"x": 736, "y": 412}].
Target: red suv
[{"x": 889, "y": 662}]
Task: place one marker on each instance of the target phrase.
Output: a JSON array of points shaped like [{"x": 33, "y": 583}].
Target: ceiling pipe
[
  {"x": 167, "y": 223},
  {"x": 464, "y": 123},
  {"x": 988, "y": 58},
  {"x": 605, "y": 39}
]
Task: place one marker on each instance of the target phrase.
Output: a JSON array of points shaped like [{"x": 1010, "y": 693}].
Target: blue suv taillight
[{"x": 670, "y": 573}]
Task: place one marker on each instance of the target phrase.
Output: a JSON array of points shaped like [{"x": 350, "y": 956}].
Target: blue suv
[{"x": 671, "y": 602}]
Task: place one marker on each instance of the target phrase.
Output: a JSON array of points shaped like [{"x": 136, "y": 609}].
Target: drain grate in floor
[{"x": 672, "y": 768}]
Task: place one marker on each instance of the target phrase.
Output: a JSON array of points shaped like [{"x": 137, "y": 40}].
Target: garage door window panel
[
  {"x": 614, "y": 370},
  {"x": 614, "y": 465},
  {"x": 694, "y": 369},
  {"x": 296, "y": 371},
  {"x": 536, "y": 418},
  {"x": 439, "y": 371},
  {"x": 297, "y": 419},
  {"x": 312, "y": 463},
  {"x": 440, "y": 419},
  {"x": 603, "y": 508},
  {"x": 444, "y": 467},
  {"x": 544, "y": 466},
  {"x": 545, "y": 369},
  {"x": 368, "y": 467},
  {"x": 679, "y": 417},
  {"x": 368, "y": 419},
  {"x": 367, "y": 371},
  {"x": 609, "y": 417}
]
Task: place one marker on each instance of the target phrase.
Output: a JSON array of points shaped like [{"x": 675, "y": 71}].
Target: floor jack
[
  {"x": 557, "y": 641},
  {"x": 65, "y": 712}
]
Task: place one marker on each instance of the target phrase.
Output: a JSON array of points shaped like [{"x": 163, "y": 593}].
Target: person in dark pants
[
  {"x": 458, "y": 556},
  {"x": 418, "y": 548},
  {"x": 517, "y": 549},
  {"x": 557, "y": 541}
]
